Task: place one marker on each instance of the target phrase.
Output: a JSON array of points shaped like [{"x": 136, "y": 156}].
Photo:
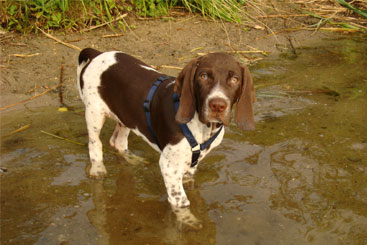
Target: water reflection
[{"x": 122, "y": 213}]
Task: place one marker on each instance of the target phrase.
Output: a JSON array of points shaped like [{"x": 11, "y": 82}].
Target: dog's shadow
[{"x": 136, "y": 208}]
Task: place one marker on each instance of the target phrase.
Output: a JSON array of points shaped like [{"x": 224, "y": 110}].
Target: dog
[{"x": 169, "y": 114}]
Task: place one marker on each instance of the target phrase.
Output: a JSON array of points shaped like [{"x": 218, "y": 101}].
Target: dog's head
[{"x": 211, "y": 85}]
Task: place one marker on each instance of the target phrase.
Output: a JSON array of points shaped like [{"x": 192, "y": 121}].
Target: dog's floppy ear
[
  {"x": 244, "y": 114},
  {"x": 184, "y": 87}
]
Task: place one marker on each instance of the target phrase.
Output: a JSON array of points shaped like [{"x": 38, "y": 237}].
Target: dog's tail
[{"x": 85, "y": 56}]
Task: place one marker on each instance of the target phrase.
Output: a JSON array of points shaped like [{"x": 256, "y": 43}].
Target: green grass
[
  {"x": 228, "y": 10},
  {"x": 26, "y": 15},
  {"x": 75, "y": 15},
  {"x": 354, "y": 9},
  {"x": 71, "y": 15}
]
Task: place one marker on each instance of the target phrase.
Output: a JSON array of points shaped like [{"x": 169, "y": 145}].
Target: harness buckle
[
  {"x": 195, "y": 156},
  {"x": 196, "y": 148}
]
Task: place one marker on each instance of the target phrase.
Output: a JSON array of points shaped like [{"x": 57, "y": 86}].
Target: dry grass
[{"x": 332, "y": 13}]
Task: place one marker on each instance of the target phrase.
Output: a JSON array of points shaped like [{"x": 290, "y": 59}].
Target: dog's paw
[
  {"x": 186, "y": 219},
  {"x": 191, "y": 224},
  {"x": 121, "y": 151},
  {"x": 132, "y": 158},
  {"x": 97, "y": 172}
]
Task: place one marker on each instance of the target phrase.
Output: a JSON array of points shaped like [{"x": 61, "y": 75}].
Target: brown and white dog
[{"x": 114, "y": 84}]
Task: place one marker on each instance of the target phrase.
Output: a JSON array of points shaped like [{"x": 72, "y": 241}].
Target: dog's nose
[{"x": 217, "y": 105}]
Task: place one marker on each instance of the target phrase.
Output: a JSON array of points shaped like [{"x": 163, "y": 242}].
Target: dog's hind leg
[
  {"x": 119, "y": 138},
  {"x": 95, "y": 118},
  {"x": 119, "y": 141},
  {"x": 114, "y": 135}
]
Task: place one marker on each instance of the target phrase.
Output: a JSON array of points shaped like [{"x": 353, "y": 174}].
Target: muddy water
[{"x": 299, "y": 178}]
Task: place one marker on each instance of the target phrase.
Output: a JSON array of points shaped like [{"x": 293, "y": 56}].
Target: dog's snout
[{"x": 217, "y": 105}]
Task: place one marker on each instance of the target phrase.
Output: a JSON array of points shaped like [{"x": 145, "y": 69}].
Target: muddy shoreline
[{"x": 31, "y": 64}]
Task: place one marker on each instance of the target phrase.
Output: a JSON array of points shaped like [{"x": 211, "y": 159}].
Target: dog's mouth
[
  {"x": 222, "y": 118},
  {"x": 215, "y": 117}
]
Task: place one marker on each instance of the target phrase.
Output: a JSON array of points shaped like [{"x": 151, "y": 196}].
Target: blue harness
[{"x": 195, "y": 147}]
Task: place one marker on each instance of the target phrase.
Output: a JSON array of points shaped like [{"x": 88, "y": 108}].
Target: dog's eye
[
  {"x": 203, "y": 76},
  {"x": 234, "y": 80}
]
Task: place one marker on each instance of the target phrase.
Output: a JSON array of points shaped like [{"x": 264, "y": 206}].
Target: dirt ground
[{"x": 31, "y": 64}]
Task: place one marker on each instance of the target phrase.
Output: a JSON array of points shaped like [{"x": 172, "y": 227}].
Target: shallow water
[{"x": 299, "y": 178}]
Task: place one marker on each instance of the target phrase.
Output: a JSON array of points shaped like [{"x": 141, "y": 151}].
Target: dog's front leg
[{"x": 172, "y": 169}]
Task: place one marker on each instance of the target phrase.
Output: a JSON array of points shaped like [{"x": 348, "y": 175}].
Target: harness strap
[
  {"x": 147, "y": 106},
  {"x": 195, "y": 147}
]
